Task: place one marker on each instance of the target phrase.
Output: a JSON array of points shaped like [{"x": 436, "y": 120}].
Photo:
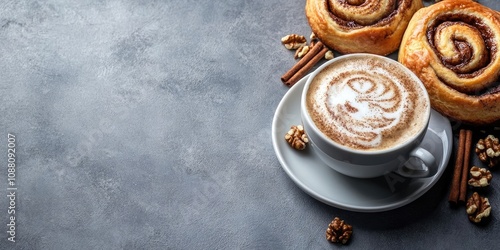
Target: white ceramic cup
[{"x": 406, "y": 158}]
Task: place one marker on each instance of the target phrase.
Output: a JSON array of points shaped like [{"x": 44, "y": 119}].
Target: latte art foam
[{"x": 366, "y": 104}]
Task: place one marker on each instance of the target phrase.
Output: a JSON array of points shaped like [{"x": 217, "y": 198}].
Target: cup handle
[{"x": 420, "y": 164}]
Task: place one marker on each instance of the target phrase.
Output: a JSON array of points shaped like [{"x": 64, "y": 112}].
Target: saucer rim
[{"x": 430, "y": 181}]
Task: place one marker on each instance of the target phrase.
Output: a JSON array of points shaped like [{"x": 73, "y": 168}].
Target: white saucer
[{"x": 335, "y": 189}]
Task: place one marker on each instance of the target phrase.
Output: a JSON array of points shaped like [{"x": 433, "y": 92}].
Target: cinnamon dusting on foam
[{"x": 366, "y": 104}]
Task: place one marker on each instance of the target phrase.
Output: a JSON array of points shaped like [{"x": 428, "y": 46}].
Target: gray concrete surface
[{"x": 147, "y": 125}]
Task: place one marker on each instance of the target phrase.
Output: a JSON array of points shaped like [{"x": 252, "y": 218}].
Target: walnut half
[
  {"x": 480, "y": 177},
  {"x": 478, "y": 208},
  {"x": 301, "y": 52},
  {"x": 338, "y": 231},
  {"x": 329, "y": 55},
  {"x": 293, "y": 41},
  {"x": 297, "y": 137},
  {"x": 488, "y": 150}
]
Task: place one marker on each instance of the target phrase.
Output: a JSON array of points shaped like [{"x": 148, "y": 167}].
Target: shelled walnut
[
  {"x": 329, "y": 55},
  {"x": 297, "y": 137},
  {"x": 478, "y": 208},
  {"x": 301, "y": 52},
  {"x": 480, "y": 177},
  {"x": 338, "y": 231},
  {"x": 488, "y": 150},
  {"x": 293, "y": 41}
]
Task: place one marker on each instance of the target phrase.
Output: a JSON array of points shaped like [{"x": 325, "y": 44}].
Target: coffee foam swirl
[{"x": 363, "y": 104}]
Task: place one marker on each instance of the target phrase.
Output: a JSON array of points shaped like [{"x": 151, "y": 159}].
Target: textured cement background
[{"x": 147, "y": 125}]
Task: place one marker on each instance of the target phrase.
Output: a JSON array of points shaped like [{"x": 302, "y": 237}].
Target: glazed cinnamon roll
[
  {"x": 371, "y": 26},
  {"x": 453, "y": 47}
]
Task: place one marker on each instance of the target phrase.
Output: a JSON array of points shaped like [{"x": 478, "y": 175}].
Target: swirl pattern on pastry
[
  {"x": 351, "y": 26},
  {"x": 453, "y": 47}
]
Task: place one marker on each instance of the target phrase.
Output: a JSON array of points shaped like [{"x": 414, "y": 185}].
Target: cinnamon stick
[
  {"x": 304, "y": 70},
  {"x": 300, "y": 69},
  {"x": 455, "y": 183},
  {"x": 465, "y": 167}
]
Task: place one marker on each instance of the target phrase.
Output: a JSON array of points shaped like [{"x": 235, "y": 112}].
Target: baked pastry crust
[
  {"x": 370, "y": 26},
  {"x": 453, "y": 47}
]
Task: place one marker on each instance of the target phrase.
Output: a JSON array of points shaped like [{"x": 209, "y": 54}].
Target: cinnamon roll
[
  {"x": 453, "y": 47},
  {"x": 371, "y": 26}
]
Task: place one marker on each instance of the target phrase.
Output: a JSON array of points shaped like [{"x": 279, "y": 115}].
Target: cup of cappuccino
[{"x": 366, "y": 116}]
